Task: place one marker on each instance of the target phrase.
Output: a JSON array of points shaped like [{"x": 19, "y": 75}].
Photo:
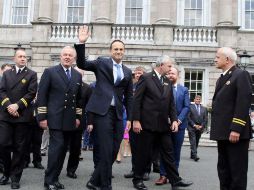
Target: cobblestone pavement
[{"x": 203, "y": 173}]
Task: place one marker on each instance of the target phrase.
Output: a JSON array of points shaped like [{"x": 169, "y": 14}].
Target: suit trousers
[
  {"x": 13, "y": 139},
  {"x": 109, "y": 134},
  {"x": 34, "y": 137},
  {"x": 194, "y": 136},
  {"x": 233, "y": 165},
  {"x": 145, "y": 142},
  {"x": 58, "y": 145},
  {"x": 74, "y": 151},
  {"x": 177, "y": 139}
]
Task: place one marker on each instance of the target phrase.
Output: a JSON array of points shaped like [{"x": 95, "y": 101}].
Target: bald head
[{"x": 225, "y": 58}]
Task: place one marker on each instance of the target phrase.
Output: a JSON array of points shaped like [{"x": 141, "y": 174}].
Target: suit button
[
  {"x": 73, "y": 101},
  {"x": 66, "y": 94},
  {"x": 65, "y": 100},
  {"x": 74, "y": 95},
  {"x": 64, "y": 107},
  {"x": 72, "y": 108}
]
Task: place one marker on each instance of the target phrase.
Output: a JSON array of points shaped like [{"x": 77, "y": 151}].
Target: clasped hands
[{"x": 13, "y": 110}]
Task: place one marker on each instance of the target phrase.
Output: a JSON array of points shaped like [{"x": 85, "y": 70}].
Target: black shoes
[
  {"x": 91, "y": 186},
  {"x": 15, "y": 185},
  {"x": 140, "y": 185},
  {"x": 38, "y": 166},
  {"x": 4, "y": 180},
  {"x": 58, "y": 185},
  {"x": 195, "y": 158},
  {"x": 129, "y": 175},
  {"x": 50, "y": 187},
  {"x": 71, "y": 175},
  {"x": 182, "y": 183}
]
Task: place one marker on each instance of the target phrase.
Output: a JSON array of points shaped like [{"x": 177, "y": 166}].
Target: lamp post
[{"x": 244, "y": 60}]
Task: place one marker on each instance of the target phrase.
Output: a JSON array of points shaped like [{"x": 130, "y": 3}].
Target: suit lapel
[
  {"x": 17, "y": 78},
  {"x": 157, "y": 81},
  {"x": 61, "y": 72},
  {"x": 221, "y": 81}
]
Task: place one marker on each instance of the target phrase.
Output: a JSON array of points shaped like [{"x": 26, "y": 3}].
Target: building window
[
  {"x": 74, "y": 11},
  {"x": 194, "y": 12},
  {"x": 133, "y": 12},
  {"x": 246, "y": 14},
  {"x": 17, "y": 12},
  {"x": 193, "y": 80}
]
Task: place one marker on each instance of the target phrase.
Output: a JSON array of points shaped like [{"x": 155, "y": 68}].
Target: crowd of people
[{"x": 147, "y": 112}]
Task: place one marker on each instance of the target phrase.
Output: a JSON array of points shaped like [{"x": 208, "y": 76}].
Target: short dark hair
[
  {"x": 111, "y": 44},
  {"x": 5, "y": 65}
]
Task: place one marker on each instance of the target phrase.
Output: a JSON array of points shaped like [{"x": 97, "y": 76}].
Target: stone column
[
  {"x": 165, "y": 11},
  {"x": 45, "y": 11},
  {"x": 225, "y": 11},
  {"x": 101, "y": 11}
]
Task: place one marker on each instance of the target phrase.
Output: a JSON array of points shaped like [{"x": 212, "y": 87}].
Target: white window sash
[
  {"x": 63, "y": 9},
  {"x": 241, "y": 15}
]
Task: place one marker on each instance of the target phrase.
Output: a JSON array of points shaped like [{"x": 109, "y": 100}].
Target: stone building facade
[{"x": 188, "y": 30}]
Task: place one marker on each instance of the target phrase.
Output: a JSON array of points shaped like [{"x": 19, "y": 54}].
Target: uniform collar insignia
[{"x": 228, "y": 82}]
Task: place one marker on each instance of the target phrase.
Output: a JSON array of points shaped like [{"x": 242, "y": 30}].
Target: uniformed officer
[
  {"x": 230, "y": 122},
  {"x": 17, "y": 89},
  {"x": 59, "y": 109}
]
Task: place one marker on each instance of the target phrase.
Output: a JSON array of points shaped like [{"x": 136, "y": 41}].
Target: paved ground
[{"x": 202, "y": 173}]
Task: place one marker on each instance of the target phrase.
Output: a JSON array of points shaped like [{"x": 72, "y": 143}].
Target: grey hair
[
  {"x": 161, "y": 60},
  {"x": 230, "y": 53},
  {"x": 69, "y": 47}
]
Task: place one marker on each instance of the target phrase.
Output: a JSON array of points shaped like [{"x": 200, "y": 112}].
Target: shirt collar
[
  {"x": 115, "y": 63},
  {"x": 17, "y": 68},
  {"x": 66, "y": 68},
  {"x": 158, "y": 74}
]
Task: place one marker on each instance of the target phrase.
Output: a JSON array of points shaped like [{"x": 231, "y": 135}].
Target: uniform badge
[
  {"x": 23, "y": 81},
  {"x": 228, "y": 82},
  {"x": 166, "y": 84}
]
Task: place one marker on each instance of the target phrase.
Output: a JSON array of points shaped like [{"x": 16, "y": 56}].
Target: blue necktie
[
  {"x": 68, "y": 74},
  {"x": 198, "y": 109},
  {"x": 118, "y": 73}
]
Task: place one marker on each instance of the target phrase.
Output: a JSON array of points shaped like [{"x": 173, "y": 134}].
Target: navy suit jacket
[
  {"x": 182, "y": 105},
  {"x": 105, "y": 88}
]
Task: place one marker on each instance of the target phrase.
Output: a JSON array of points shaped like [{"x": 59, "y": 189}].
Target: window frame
[
  {"x": 63, "y": 11},
  {"x": 120, "y": 15},
  {"x": 206, "y": 12},
  {"x": 8, "y": 12},
  {"x": 241, "y": 16}
]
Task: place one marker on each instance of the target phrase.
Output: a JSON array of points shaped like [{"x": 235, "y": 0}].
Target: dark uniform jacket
[
  {"x": 153, "y": 103},
  {"x": 59, "y": 99},
  {"x": 230, "y": 106},
  {"x": 105, "y": 88},
  {"x": 18, "y": 88}
]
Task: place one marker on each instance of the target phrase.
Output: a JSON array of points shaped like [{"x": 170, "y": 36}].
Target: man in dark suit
[
  {"x": 59, "y": 109},
  {"x": 153, "y": 104},
  {"x": 197, "y": 122},
  {"x": 182, "y": 103},
  {"x": 17, "y": 89},
  {"x": 113, "y": 90},
  {"x": 230, "y": 122}
]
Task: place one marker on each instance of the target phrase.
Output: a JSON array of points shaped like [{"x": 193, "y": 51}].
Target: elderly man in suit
[
  {"x": 182, "y": 103},
  {"x": 17, "y": 90},
  {"x": 230, "y": 121},
  {"x": 59, "y": 109},
  {"x": 113, "y": 90},
  {"x": 153, "y": 104},
  {"x": 197, "y": 122}
]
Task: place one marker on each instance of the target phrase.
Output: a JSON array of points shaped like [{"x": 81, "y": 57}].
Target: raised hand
[{"x": 83, "y": 34}]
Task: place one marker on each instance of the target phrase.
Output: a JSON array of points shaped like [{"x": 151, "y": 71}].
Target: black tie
[
  {"x": 68, "y": 74},
  {"x": 19, "y": 71},
  {"x": 161, "y": 79}
]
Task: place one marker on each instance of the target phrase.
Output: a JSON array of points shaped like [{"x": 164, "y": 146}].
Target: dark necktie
[
  {"x": 161, "y": 79},
  {"x": 19, "y": 71},
  {"x": 68, "y": 74},
  {"x": 118, "y": 73}
]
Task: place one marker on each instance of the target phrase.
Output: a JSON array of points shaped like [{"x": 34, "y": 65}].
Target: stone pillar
[
  {"x": 99, "y": 36},
  {"x": 101, "y": 11},
  {"x": 163, "y": 34},
  {"x": 225, "y": 8},
  {"x": 164, "y": 11},
  {"x": 227, "y": 36},
  {"x": 45, "y": 11}
]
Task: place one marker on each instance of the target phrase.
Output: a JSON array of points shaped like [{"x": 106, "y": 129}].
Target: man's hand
[
  {"x": 77, "y": 123},
  {"x": 128, "y": 125},
  {"x": 43, "y": 124},
  {"x": 174, "y": 127},
  {"x": 83, "y": 34},
  {"x": 89, "y": 128},
  {"x": 137, "y": 127},
  {"x": 234, "y": 137},
  {"x": 13, "y": 110}
]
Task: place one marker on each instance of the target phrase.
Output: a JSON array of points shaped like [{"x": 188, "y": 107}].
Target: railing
[
  {"x": 130, "y": 34},
  {"x": 195, "y": 36},
  {"x": 65, "y": 32}
]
